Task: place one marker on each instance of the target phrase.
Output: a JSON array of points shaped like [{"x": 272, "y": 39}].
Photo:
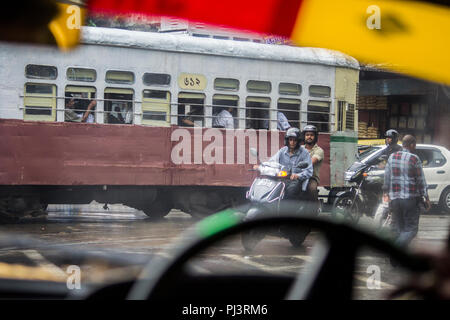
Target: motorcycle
[
  {"x": 265, "y": 195},
  {"x": 365, "y": 194}
]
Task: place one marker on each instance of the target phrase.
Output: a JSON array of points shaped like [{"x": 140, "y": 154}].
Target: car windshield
[
  {"x": 368, "y": 152},
  {"x": 133, "y": 142}
]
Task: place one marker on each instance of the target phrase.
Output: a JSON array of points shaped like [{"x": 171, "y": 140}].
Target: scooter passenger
[
  {"x": 290, "y": 156},
  {"x": 310, "y": 135}
]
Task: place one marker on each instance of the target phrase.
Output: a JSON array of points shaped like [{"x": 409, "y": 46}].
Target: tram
[{"x": 107, "y": 121}]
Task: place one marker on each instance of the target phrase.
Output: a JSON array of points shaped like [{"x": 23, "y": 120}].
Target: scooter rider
[
  {"x": 290, "y": 156},
  {"x": 310, "y": 136}
]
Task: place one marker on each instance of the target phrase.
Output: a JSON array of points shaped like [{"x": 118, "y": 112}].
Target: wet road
[{"x": 129, "y": 234}]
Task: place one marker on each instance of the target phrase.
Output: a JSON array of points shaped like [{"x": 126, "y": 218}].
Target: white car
[{"x": 436, "y": 167}]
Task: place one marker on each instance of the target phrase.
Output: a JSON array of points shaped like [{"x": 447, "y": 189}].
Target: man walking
[{"x": 405, "y": 187}]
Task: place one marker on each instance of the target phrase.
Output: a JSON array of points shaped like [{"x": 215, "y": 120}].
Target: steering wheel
[{"x": 330, "y": 274}]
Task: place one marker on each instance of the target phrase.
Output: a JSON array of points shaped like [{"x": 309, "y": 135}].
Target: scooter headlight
[{"x": 282, "y": 174}]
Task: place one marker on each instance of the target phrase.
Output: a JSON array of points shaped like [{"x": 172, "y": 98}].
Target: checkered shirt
[{"x": 403, "y": 176}]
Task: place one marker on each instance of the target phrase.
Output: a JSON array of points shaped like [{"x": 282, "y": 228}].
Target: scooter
[{"x": 266, "y": 195}]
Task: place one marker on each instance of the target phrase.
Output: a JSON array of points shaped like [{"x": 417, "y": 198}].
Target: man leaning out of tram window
[
  {"x": 71, "y": 115},
  {"x": 290, "y": 156}
]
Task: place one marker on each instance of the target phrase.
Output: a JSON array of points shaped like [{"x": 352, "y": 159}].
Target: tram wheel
[{"x": 158, "y": 209}]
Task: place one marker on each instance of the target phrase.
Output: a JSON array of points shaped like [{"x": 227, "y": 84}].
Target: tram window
[
  {"x": 83, "y": 98},
  {"x": 120, "y": 77},
  {"x": 81, "y": 74},
  {"x": 350, "y": 117},
  {"x": 319, "y": 115},
  {"x": 319, "y": 91},
  {"x": 291, "y": 109},
  {"x": 223, "y": 102},
  {"x": 118, "y": 106},
  {"x": 191, "y": 109},
  {"x": 221, "y": 37},
  {"x": 257, "y": 113},
  {"x": 34, "y": 71},
  {"x": 226, "y": 84},
  {"x": 40, "y": 102},
  {"x": 259, "y": 86},
  {"x": 290, "y": 89},
  {"x": 156, "y": 108},
  {"x": 158, "y": 79},
  {"x": 200, "y": 35}
]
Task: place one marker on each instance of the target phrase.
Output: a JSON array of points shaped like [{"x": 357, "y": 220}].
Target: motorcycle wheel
[{"x": 343, "y": 209}]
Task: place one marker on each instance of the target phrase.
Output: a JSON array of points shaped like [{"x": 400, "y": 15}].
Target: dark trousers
[
  {"x": 293, "y": 190},
  {"x": 405, "y": 219},
  {"x": 312, "y": 194}
]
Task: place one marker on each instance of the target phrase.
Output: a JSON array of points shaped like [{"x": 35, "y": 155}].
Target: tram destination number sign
[{"x": 192, "y": 81}]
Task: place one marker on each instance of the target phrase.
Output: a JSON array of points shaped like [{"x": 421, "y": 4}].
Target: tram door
[
  {"x": 118, "y": 107},
  {"x": 191, "y": 110}
]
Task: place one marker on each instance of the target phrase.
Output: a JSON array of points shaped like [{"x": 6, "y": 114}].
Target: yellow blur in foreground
[
  {"x": 66, "y": 26},
  {"x": 407, "y": 36}
]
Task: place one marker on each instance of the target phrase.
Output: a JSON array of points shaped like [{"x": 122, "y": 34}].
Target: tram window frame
[
  {"x": 249, "y": 89},
  {"x": 226, "y": 88},
  {"x": 83, "y": 96},
  {"x": 316, "y": 117},
  {"x": 287, "y": 92},
  {"x": 168, "y": 79},
  {"x": 81, "y": 79},
  {"x": 259, "y": 122},
  {"x": 120, "y": 82},
  {"x": 31, "y": 76},
  {"x": 290, "y": 113},
  {"x": 190, "y": 100},
  {"x": 33, "y": 102},
  {"x": 318, "y": 94},
  {"x": 156, "y": 106},
  {"x": 109, "y": 117}
]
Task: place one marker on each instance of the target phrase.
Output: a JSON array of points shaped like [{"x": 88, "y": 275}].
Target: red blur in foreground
[{"x": 275, "y": 17}]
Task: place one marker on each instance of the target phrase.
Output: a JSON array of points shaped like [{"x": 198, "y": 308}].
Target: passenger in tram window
[
  {"x": 122, "y": 112},
  {"x": 282, "y": 122},
  {"x": 127, "y": 114},
  {"x": 116, "y": 110},
  {"x": 257, "y": 119},
  {"x": 224, "y": 119},
  {"x": 194, "y": 118},
  {"x": 71, "y": 108}
]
